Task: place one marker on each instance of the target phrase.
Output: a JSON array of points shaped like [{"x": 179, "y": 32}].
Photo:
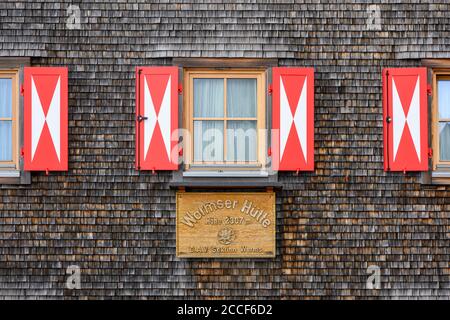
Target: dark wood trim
[
  {"x": 25, "y": 178},
  {"x": 12, "y": 180},
  {"x": 226, "y": 184},
  {"x": 14, "y": 62},
  {"x": 436, "y": 63},
  {"x": 225, "y": 63}
]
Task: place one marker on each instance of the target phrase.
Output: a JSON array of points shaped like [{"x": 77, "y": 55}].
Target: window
[
  {"x": 442, "y": 114},
  {"x": 441, "y": 121},
  {"x": 9, "y": 142},
  {"x": 11, "y": 121},
  {"x": 225, "y": 119}
]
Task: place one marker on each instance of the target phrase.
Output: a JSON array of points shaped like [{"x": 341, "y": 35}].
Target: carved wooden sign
[{"x": 225, "y": 225}]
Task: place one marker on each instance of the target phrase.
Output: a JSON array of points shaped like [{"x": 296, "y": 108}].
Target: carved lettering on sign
[{"x": 225, "y": 224}]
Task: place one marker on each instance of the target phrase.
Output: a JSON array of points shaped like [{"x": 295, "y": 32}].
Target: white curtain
[
  {"x": 208, "y": 141},
  {"x": 209, "y": 134},
  {"x": 444, "y": 141},
  {"x": 5, "y": 141},
  {"x": 5, "y": 98},
  {"x": 444, "y": 99},
  {"x": 208, "y": 98},
  {"x": 241, "y": 140},
  {"x": 5, "y": 125},
  {"x": 241, "y": 134},
  {"x": 241, "y": 98},
  {"x": 444, "y": 113}
]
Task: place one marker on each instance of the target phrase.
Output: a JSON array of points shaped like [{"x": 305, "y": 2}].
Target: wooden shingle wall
[{"x": 118, "y": 225}]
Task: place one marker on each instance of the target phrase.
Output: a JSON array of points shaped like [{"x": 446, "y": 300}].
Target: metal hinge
[
  {"x": 22, "y": 90},
  {"x": 270, "y": 89},
  {"x": 429, "y": 90},
  {"x": 180, "y": 89}
]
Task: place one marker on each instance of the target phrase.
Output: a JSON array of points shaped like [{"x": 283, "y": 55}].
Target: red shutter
[
  {"x": 293, "y": 119},
  {"x": 405, "y": 119},
  {"x": 156, "y": 118},
  {"x": 45, "y": 119}
]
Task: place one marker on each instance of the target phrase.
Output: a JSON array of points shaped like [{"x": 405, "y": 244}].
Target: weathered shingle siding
[{"x": 119, "y": 225}]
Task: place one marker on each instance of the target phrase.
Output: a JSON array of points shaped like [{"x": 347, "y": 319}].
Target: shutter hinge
[
  {"x": 180, "y": 152},
  {"x": 430, "y": 152},
  {"x": 429, "y": 90},
  {"x": 22, "y": 90},
  {"x": 270, "y": 89},
  {"x": 22, "y": 152},
  {"x": 180, "y": 88},
  {"x": 269, "y": 151},
  {"x": 140, "y": 118}
]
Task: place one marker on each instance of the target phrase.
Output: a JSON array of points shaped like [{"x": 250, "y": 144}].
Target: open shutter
[
  {"x": 45, "y": 118},
  {"x": 405, "y": 119},
  {"x": 293, "y": 119},
  {"x": 156, "y": 118}
]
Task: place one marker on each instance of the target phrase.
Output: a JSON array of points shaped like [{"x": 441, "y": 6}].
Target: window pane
[
  {"x": 5, "y": 98},
  {"x": 208, "y": 98},
  {"x": 444, "y": 99},
  {"x": 5, "y": 140},
  {"x": 444, "y": 141},
  {"x": 208, "y": 141},
  {"x": 241, "y": 141},
  {"x": 241, "y": 98}
]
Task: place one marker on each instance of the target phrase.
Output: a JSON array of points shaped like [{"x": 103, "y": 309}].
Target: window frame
[
  {"x": 17, "y": 176},
  {"x": 188, "y": 117},
  {"x": 12, "y": 74},
  {"x": 437, "y": 74}
]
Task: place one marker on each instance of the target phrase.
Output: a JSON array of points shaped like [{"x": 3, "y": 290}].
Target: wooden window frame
[
  {"x": 188, "y": 117},
  {"x": 14, "y": 75},
  {"x": 17, "y": 176},
  {"x": 437, "y": 74}
]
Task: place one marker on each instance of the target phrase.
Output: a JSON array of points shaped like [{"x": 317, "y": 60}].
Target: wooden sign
[{"x": 225, "y": 225}]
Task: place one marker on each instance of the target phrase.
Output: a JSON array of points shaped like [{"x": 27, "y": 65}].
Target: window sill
[
  {"x": 440, "y": 176},
  {"x": 224, "y": 179},
  {"x": 225, "y": 183},
  {"x": 8, "y": 176},
  {"x": 227, "y": 173},
  {"x": 9, "y": 173}
]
